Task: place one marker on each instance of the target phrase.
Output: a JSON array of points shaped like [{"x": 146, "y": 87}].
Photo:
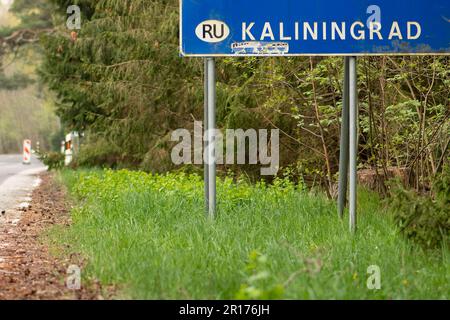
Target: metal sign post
[
  {"x": 205, "y": 141},
  {"x": 353, "y": 141},
  {"x": 344, "y": 148},
  {"x": 211, "y": 150},
  {"x": 349, "y": 142}
]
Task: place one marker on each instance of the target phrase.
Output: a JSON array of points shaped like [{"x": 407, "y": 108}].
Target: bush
[
  {"x": 425, "y": 220},
  {"x": 54, "y": 160},
  {"x": 97, "y": 152},
  {"x": 256, "y": 283}
]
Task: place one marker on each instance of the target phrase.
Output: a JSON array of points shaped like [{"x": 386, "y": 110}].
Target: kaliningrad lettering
[{"x": 315, "y": 31}]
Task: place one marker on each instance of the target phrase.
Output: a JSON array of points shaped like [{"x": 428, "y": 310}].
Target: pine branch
[{"x": 22, "y": 37}]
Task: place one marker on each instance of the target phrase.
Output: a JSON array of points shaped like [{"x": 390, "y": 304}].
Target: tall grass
[{"x": 148, "y": 234}]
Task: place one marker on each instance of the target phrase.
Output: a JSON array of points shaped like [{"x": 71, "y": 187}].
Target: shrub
[
  {"x": 256, "y": 284},
  {"x": 97, "y": 151},
  {"x": 425, "y": 220},
  {"x": 54, "y": 160}
]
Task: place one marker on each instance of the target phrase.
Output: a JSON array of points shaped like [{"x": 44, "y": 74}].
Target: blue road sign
[{"x": 319, "y": 27}]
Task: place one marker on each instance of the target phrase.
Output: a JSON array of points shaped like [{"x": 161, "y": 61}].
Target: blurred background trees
[{"x": 26, "y": 108}]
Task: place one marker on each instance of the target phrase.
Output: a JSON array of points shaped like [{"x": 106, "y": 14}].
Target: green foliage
[
  {"x": 99, "y": 153},
  {"x": 254, "y": 287},
  {"x": 24, "y": 113},
  {"x": 442, "y": 188},
  {"x": 148, "y": 235},
  {"x": 422, "y": 218},
  {"x": 54, "y": 160},
  {"x": 33, "y": 14}
]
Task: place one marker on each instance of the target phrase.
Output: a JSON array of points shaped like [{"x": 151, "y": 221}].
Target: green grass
[{"x": 149, "y": 235}]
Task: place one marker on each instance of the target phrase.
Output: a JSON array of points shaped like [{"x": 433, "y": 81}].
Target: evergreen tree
[{"x": 35, "y": 18}]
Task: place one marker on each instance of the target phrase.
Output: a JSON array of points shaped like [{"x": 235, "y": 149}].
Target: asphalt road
[
  {"x": 11, "y": 165},
  {"x": 17, "y": 180}
]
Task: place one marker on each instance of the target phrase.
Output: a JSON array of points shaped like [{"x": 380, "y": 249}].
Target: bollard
[
  {"x": 68, "y": 150},
  {"x": 27, "y": 152}
]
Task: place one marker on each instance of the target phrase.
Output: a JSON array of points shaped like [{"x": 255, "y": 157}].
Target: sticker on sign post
[{"x": 320, "y": 27}]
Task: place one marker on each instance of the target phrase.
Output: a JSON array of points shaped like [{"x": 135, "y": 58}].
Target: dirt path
[{"x": 27, "y": 269}]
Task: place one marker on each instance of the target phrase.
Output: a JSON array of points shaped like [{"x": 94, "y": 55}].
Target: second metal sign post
[{"x": 210, "y": 144}]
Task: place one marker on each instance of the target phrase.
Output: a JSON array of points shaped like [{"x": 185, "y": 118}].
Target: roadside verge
[{"x": 27, "y": 269}]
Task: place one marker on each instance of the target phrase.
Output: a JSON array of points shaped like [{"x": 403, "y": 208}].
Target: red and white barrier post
[
  {"x": 27, "y": 152},
  {"x": 68, "y": 149}
]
